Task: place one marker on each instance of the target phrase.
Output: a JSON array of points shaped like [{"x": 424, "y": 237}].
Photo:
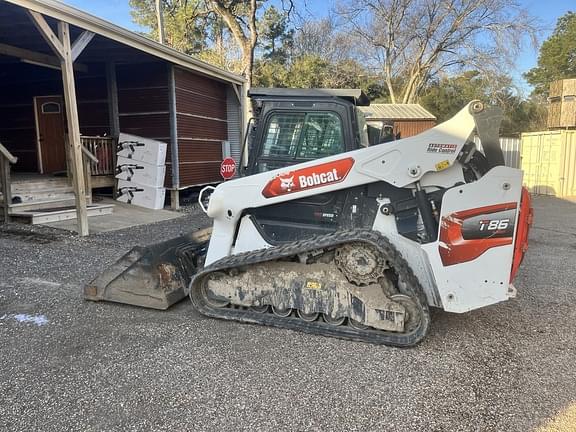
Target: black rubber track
[{"x": 410, "y": 286}]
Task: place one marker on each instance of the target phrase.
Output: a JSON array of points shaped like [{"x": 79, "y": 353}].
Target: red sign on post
[{"x": 228, "y": 168}]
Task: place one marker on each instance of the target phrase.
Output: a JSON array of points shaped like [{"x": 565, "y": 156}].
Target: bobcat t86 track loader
[{"x": 330, "y": 235}]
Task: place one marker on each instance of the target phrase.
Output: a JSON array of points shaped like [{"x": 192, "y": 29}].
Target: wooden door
[{"x": 51, "y": 133}]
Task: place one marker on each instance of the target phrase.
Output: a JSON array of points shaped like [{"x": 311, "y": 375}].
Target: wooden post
[
  {"x": 6, "y": 191},
  {"x": 175, "y": 160},
  {"x": 112, "y": 90},
  {"x": 175, "y": 199},
  {"x": 113, "y": 114},
  {"x": 76, "y": 157},
  {"x": 66, "y": 52},
  {"x": 88, "y": 181}
]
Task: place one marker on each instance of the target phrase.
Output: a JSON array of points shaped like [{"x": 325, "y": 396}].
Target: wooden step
[
  {"x": 45, "y": 190},
  {"x": 44, "y": 196},
  {"x": 43, "y": 204},
  {"x": 38, "y": 185},
  {"x": 48, "y": 215},
  {"x": 25, "y": 187}
]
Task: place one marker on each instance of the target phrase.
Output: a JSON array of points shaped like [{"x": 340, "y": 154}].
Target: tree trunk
[
  {"x": 248, "y": 64},
  {"x": 247, "y": 43},
  {"x": 160, "y": 19}
]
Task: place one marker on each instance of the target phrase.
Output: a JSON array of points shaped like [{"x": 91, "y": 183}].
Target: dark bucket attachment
[{"x": 155, "y": 276}]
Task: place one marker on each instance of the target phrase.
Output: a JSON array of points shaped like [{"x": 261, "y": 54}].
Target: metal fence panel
[{"x": 511, "y": 147}]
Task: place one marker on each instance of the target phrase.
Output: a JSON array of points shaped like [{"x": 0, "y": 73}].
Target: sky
[{"x": 548, "y": 11}]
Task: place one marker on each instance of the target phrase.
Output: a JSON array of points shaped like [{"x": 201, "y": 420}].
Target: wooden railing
[
  {"x": 88, "y": 159},
  {"x": 104, "y": 150},
  {"x": 6, "y": 158}
]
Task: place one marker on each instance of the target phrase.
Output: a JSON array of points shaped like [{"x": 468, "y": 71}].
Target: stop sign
[{"x": 228, "y": 168}]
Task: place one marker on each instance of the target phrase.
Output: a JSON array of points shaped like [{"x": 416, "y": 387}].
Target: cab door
[{"x": 292, "y": 137}]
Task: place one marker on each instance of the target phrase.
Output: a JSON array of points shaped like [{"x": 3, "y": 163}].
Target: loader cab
[{"x": 292, "y": 126}]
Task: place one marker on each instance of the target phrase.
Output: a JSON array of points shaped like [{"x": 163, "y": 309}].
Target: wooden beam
[
  {"x": 175, "y": 199},
  {"x": 47, "y": 33},
  {"x": 80, "y": 43},
  {"x": 36, "y": 58},
  {"x": 75, "y": 144},
  {"x": 112, "y": 89},
  {"x": 6, "y": 191},
  {"x": 173, "y": 128},
  {"x": 237, "y": 89}
]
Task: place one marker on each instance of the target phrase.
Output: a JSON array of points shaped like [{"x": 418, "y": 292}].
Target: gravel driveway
[{"x": 67, "y": 364}]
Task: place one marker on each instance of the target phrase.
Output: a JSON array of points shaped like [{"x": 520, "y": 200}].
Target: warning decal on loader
[
  {"x": 442, "y": 148},
  {"x": 308, "y": 178}
]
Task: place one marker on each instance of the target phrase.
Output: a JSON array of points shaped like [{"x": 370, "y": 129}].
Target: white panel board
[
  {"x": 140, "y": 195},
  {"x": 140, "y": 172},
  {"x": 142, "y": 149}
]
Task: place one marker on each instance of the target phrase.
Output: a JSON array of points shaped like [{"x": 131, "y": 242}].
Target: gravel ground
[{"x": 67, "y": 364}]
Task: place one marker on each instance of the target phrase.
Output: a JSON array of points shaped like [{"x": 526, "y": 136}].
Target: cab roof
[{"x": 356, "y": 96}]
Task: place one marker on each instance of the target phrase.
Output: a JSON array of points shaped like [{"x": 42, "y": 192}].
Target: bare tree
[
  {"x": 414, "y": 40},
  {"x": 240, "y": 18}
]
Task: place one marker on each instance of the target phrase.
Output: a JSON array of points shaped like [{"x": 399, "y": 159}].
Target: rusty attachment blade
[{"x": 155, "y": 276}]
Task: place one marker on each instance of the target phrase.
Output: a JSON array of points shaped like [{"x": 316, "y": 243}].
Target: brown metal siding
[
  {"x": 202, "y": 85},
  {"x": 412, "y": 127},
  {"x": 200, "y": 173},
  {"x": 143, "y": 100},
  {"x": 201, "y": 150},
  {"x": 198, "y": 127},
  {"x": 142, "y": 75},
  {"x": 196, "y": 103},
  {"x": 202, "y": 126},
  {"x": 154, "y": 126},
  {"x": 143, "y": 103}
]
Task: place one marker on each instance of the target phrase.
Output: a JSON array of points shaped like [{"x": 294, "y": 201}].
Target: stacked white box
[
  {"x": 142, "y": 149},
  {"x": 140, "y": 195},
  {"x": 140, "y": 170}
]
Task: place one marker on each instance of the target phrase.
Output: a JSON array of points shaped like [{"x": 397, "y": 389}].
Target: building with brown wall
[
  {"x": 123, "y": 82},
  {"x": 407, "y": 119}
]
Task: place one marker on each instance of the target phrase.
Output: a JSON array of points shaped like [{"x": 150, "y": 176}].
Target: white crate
[
  {"x": 142, "y": 149},
  {"x": 141, "y": 195},
  {"x": 140, "y": 172}
]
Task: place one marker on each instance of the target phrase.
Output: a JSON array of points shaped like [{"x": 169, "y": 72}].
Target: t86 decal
[
  {"x": 308, "y": 178},
  {"x": 467, "y": 234}
]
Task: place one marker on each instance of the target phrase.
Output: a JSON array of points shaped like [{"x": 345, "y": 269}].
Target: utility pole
[{"x": 160, "y": 18}]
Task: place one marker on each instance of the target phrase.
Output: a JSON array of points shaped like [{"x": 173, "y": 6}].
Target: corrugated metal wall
[
  {"x": 201, "y": 106},
  {"x": 143, "y": 100},
  {"x": 234, "y": 125},
  {"x": 408, "y": 128},
  {"x": 511, "y": 147},
  {"x": 549, "y": 162}
]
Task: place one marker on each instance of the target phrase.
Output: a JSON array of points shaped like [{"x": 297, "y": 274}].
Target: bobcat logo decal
[
  {"x": 310, "y": 177},
  {"x": 286, "y": 184}
]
